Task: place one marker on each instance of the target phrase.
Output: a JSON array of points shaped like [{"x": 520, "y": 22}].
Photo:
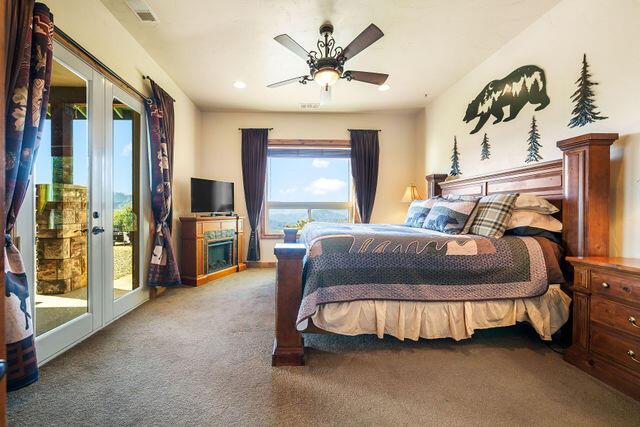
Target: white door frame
[
  {"x": 116, "y": 308},
  {"x": 102, "y": 309},
  {"x": 59, "y": 339}
]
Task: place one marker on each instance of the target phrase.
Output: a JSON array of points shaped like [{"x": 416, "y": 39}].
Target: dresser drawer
[
  {"x": 625, "y": 351},
  {"x": 619, "y": 316},
  {"x": 616, "y": 286}
]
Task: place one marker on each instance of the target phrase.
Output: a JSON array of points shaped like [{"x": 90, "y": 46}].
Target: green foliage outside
[{"x": 124, "y": 219}]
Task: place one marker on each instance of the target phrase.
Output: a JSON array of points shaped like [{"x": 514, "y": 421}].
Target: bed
[{"x": 414, "y": 283}]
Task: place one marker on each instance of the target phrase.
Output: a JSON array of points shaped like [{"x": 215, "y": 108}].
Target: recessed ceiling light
[
  {"x": 383, "y": 88},
  {"x": 239, "y": 84}
]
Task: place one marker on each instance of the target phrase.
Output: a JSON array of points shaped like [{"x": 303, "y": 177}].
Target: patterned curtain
[
  {"x": 163, "y": 267},
  {"x": 254, "y": 171},
  {"x": 31, "y": 59},
  {"x": 365, "y": 156}
]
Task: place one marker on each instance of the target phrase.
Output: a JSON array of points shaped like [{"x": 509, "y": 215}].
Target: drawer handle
[
  {"x": 632, "y": 355},
  {"x": 605, "y": 285},
  {"x": 632, "y": 320}
]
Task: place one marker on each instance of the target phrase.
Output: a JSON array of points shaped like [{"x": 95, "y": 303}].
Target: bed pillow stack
[
  {"x": 493, "y": 215},
  {"x": 418, "y": 211},
  {"x": 533, "y": 216},
  {"x": 452, "y": 214}
]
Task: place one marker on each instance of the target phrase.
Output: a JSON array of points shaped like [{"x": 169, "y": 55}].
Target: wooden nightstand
[{"x": 606, "y": 320}]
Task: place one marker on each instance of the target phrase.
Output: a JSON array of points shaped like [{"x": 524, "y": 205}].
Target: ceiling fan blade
[
  {"x": 288, "y": 81},
  {"x": 292, "y": 45},
  {"x": 365, "y": 39},
  {"x": 367, "y": 77}
]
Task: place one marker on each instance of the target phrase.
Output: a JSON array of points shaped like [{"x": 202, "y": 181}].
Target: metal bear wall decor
[{"x": 524, "y": 85}]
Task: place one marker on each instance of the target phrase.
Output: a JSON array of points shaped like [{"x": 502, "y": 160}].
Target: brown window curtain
[
  {"x": 30, "y": 54},
  {"x": 163, "y": 267},
  {"x": 254, "y": 169},
  {"x": 365, "y": 155}
]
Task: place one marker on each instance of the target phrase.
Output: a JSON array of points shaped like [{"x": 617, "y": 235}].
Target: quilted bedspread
[{"x": 349, "y": 262}]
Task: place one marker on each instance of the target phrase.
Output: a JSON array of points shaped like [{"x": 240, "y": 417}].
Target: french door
[{"x": 79, "y": 228}]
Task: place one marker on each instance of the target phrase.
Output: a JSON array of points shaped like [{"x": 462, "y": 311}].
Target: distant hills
[
  {"x": 121, "y": 200},
  {"x": 279, "y": 218}
]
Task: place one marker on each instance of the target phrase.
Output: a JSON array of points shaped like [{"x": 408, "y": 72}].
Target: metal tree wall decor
[
  {"x": 455, "y": 157},
  {"x": 524, "y": 85},
  {"x": 533, "y": 154},
  {"x": 485, "y": 147},
  {"x": 584, "y": 111}
]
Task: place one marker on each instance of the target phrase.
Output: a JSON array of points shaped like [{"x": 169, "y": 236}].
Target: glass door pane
[
  {"x": 61, "y": 178},
  {"x": 124, "y": 200}
]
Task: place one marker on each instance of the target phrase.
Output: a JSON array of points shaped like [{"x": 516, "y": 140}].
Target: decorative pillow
[
  {"x": 534, "y": 219},
  {"x": 530, "y": 202},
  {"x": 451, "y": 216},
  {"x": 418, "y": 211},
  {"x": 493, "y": 215},
  {"x": 533, "y": 231}
]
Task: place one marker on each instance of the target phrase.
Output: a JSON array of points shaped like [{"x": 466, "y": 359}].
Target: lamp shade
[{"x": 410, "y": 194}]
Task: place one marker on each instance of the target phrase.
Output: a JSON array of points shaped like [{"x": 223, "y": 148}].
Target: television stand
[{"x": 212, "y": 247}]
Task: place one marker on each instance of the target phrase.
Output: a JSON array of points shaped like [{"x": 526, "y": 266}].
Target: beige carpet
[{"x": 202, "y": 356}]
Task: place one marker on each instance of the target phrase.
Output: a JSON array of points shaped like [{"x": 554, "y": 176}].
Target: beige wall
[
  {"x": 219, "y": 151},
  {"x": 90, "y": 24},
  {"x": 607, "y": 31}
]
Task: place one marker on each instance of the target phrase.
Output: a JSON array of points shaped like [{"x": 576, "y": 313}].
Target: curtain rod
[
  {"x": 149, "y": 78},
  {"x": 254, "y": 128},
  {"x": 377, "y": 130},
  {"x": 65, "y": 37}
]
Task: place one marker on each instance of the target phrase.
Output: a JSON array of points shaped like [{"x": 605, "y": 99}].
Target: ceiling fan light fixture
[{"x": 326, "y": 77}]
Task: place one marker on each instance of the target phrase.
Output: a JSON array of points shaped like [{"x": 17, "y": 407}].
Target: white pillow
[
  {"x": 522, "y": 218},
  {"x": 531, "y": 202}
]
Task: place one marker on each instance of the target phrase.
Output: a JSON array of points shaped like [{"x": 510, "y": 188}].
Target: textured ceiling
[{"x": 205, "y": 45}]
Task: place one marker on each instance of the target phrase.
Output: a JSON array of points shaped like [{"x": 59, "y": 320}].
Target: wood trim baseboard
[{"x": 261, "y": 264}]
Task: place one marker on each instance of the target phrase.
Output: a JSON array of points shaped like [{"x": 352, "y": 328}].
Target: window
[{"x": 307, "y": 184}]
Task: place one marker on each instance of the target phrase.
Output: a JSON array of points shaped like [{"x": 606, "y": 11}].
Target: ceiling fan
[{"x": 326, "y": 66}]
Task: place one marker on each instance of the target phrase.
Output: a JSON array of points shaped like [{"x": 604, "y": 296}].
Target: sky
[
  {"x": 122, "y": 161},
  {"x": 300, "y": 179}
]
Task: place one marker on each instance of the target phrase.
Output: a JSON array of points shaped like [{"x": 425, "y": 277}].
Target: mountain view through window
[{"x": 307, "y": 185}]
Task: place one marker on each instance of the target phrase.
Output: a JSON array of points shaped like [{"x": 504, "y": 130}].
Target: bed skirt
[{"x": 453, "y": 319}]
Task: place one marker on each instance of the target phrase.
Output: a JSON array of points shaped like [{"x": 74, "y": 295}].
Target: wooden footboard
[{"x": 288, "y": 349}]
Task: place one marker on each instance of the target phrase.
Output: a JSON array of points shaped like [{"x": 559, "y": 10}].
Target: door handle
[
  {"x": 3, "y": 368},
  {"x": 97, "y": 230}
]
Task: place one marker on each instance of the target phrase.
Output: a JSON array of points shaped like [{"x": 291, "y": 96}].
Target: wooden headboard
[{"x": 578, "y": 184}]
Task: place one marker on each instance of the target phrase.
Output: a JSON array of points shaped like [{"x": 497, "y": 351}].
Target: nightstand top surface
[{"x": 616, "y": 263}]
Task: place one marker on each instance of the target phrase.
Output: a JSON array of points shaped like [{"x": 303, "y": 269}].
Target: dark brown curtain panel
[
  {"x": 30, "y": 60},
  {"x": 254, "y": 169},
  {"x": 163, "y": 267},
  {"x": 365, "y": 155},
  {"x": 166, "y": 105}
]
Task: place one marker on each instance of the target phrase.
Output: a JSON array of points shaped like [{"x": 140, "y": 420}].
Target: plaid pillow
[
  {"x": 493, "y": 215},
  {"x": 450, "y": 216},
  {"x": 418, "y": 211}
]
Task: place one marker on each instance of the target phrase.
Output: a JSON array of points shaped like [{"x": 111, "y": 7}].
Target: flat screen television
[{"x": 211, "y": 196}]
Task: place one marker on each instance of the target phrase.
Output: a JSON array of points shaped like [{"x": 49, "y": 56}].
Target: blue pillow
[{"x": 418, "y": 211}]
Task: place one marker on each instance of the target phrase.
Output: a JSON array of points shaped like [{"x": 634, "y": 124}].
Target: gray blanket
[{"x": 349, "y": 262}]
